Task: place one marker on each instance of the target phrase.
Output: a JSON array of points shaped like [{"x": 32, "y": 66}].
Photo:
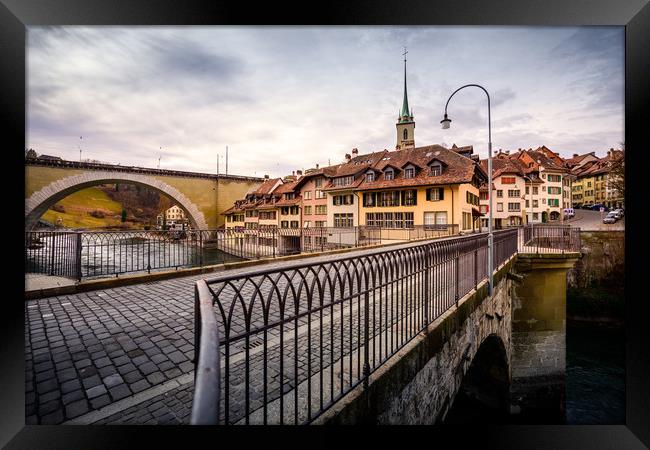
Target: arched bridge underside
[
  {"x": 40, "y": 201},
  {"x": 468, "y": 349}
]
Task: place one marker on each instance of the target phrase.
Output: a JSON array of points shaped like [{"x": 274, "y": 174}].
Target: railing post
[
  {"x": 427, "y": 281},
  {"x": 148, "y": 256},
  {"x": 476, "y": 242},
  {"x": 366, "y": 332},
  {"x": 321, "y": 239},
  {"x": 78, "y": 255},
  {"x": 201, "y": 247},
  {"x": 52, "y": 251},
  {"x": 457, "y": 273}
]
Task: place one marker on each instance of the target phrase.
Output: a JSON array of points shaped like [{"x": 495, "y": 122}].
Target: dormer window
[
  {"x": 436, "y": 169},
  {"x": 370, "y": 176},
  {"x": 409, "y": 172},
  {"x": 389, "y": 174},
  {"x": 289, "y": 195}
]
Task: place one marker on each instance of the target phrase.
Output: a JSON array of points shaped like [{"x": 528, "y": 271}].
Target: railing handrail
[
  {"x": 207, "y": 360},
  {"x": 338, "y": 258}
]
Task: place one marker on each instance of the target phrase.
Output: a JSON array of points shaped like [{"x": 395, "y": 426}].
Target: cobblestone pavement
[{"x": 88, "y": 350}]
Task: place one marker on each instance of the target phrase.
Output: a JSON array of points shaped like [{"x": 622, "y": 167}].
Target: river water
[{"x": 595, "y": 375}]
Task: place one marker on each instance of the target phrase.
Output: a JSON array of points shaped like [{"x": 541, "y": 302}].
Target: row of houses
[{"x": 427, "y": 186}]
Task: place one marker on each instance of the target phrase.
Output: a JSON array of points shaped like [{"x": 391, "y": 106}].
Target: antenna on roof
[
  {"x": 226, "y": 160},
  {"x": 80, "y": 138},
  {"x": 159, "y": 156}
]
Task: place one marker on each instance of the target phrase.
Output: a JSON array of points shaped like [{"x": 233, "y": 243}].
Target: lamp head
[{"x": 445, "y": 122}]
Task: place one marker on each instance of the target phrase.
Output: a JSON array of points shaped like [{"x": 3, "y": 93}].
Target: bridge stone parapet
[{"x": 418, "y": 384}]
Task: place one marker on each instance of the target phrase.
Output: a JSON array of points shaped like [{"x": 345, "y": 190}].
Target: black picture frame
[{"x": 16, "y": 15}]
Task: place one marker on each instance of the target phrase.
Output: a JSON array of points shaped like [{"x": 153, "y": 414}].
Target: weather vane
[{"x": 404, "y": 54}]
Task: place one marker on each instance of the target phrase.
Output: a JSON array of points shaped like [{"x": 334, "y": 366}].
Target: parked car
[
  {"x": 616, "y": 214},
  {"x": 620, "y": 212},
  {"x": 610, "y": 218},
  {"x": 597, "y": 207},
  {"x": 588, "y": 207}
]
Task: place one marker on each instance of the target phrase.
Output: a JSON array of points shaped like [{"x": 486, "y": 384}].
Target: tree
[
  {"x": 617, "y": 172},
  {"x": 123, "y": 215},
  {"x": 31, "y": 153}
]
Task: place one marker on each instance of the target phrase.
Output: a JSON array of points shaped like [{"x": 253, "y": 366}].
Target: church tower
[{"x": 405, "y": 123}]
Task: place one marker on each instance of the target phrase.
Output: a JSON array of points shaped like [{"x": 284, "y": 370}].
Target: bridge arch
[
  {"x": 40, "y": 201},
  {"x": 483, "y": 395}
]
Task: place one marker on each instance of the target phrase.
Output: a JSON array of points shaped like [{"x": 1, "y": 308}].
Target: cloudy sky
[{"x": 286, "y": 98}]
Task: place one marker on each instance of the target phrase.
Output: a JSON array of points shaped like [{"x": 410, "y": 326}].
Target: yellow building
[{"x": 418, "y": 187}]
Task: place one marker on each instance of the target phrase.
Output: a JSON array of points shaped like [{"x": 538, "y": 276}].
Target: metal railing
[
  {"x": 88, "y": 254},
  {"x": 290, "y": 342},
  {"x": 550, "y": 239}
]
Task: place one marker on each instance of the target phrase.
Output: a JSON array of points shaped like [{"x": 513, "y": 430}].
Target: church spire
[
  {"x": 404, "y": 113},
  {"x": 405, "y": 122}
]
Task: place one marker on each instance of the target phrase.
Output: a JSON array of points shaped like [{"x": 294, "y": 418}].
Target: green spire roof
[{"x": 405, "y": 115}]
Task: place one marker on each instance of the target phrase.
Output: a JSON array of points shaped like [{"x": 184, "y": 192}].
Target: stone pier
[{"x": 539, "y": 335}]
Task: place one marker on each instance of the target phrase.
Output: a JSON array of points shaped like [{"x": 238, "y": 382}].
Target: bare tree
[{"x": 617, "y": 172}]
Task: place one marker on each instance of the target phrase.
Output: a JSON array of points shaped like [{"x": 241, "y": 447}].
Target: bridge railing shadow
[{"x": 289, "y": 342}]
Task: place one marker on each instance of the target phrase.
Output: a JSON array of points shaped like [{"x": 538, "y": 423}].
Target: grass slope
[{"x": 77, "y": 207}]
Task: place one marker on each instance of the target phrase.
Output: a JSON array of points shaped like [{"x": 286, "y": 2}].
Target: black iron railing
[
  {"x": 296, "y": 339},
  {"x": 550, "y": 239},
  {"x": 88, "y": 254}
]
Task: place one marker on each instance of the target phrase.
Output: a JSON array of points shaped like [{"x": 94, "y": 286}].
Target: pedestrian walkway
[
  {"x": 38, "y": 281},
  {"x": 89, "y": 350}
]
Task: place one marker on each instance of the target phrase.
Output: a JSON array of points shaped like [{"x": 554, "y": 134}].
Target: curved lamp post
[{"x": 445, "y": 125}]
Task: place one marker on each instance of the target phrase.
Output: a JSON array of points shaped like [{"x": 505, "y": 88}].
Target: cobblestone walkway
[{"x": 86, "y": 351}]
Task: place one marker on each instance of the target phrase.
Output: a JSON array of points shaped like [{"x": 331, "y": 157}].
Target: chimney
[
  {"x": 266, "y": 177},
  {"x": 299, "y": 173},
  {"x": 592, "y": 153},
  {"x": 293, "y": 172},
  {"x": 316, "y": 166},
  {"x": 355, "y": 151},
  {"x": 347, "y": 157},
  {"x": 575, "y": 155},
  {"x": 507, "y": 152}
]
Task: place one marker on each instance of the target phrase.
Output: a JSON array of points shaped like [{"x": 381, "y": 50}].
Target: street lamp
[{"x": 446, "y": 122}]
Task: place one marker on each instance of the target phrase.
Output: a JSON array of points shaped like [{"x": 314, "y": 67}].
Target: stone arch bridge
[{"x": 202, "y": 196}]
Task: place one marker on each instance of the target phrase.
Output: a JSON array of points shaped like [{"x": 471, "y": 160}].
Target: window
[
  {"x": 321, "y": 209},
  {"x": 294, "y": 224},
  {"x": 507, "y": 180},
  {"x": 544, "y": 175},
  {"x": 409, "y": 172},
  {"x": 483, "y": 209},
  {"x": 435, "y": 194},
  {"x": 435, "y": 218},
  {"x": 390, "y": 220},
  {"x": 307, "y": 210},
  {"x": 284, "y": 210},
  {"x": 554, "y": 190},
  {"x": 483, "y": 195},
  {"x": 388, "y": 174},
  {"x": 527, "y": 190},
  {"x": 544, "y": 201},
  {"x": 499, "y": 207},
  {"x": 405, "y": 134},
  {"x": 320, "y": 223},
  {"x": 370, "y": 176},
  {"x": 553, "y": 202},
  {"x": 471, "y": 198},
  {"x": 343, "y": 220},
  {"x": 535, "y": 216},
  {"x": 307, "y": 195},
  {"x": 307, "y": 223},
  {"x": 289, "y": 195},
  {"x": 514, "y": 193},
  {"x": 527, "y": 204},
  {"x": 535, "y": 203},
  {"x": 410, "y": 197},
  {"x": 535, "y": 190},
  {"x": 342, "y": 199},
  {"x": 318, "y": 182},
  {"x": 514, "y": 206},
  {"x": 319, "y": 194},
  {"x": 499, "y": 193},
  {"x": 284, "y": 224},
  {"x": 467, "y": 221},
  {"x": 341, "y": 181},
  {"x": 544, "y": 188},
  {"x": 436, "y": 169},
  {"x": 294, "y": 210},
  {"x": 555, "y": 178},
  {"x": 369, "y": 199}
]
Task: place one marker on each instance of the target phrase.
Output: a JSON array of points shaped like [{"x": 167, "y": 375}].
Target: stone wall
[{"x": 603, "y": 259}]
